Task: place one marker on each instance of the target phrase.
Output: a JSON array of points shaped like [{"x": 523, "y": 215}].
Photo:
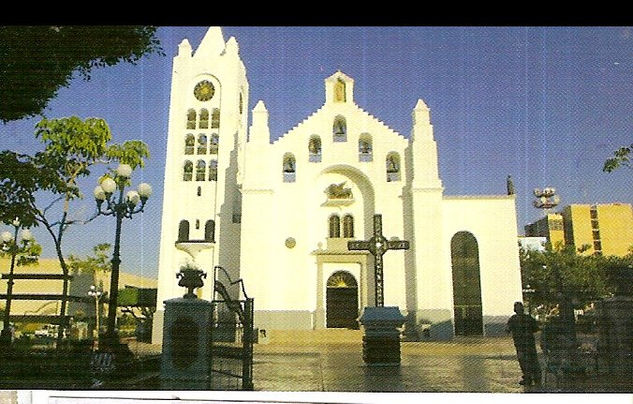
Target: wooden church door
[{"x": 342, "y": 301}]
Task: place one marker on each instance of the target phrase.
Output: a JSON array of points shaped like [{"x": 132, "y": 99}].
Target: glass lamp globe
[
  {"x": 144, "y": 190},
  {"x": 108, "y": 185},
  {"x": 99, "y": 193},
  {"x": 6, "y": 236},
  {"x": 124, "y": 171},
  {"x": 133, "y": 197},
  {"x": 26, "y": 235}
]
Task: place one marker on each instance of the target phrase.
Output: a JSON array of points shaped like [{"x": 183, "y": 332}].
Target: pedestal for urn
[
  {"x": 186, "y": 358},
  {"x": 381, "y": 339}
]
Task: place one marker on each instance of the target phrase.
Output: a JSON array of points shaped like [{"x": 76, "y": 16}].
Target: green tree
[
  {"x": 71, "y": 148},
  {"x": 20, "y": 180},
  {"x": 547, "y": 274},
  {"x": 621, "y": 158},
  {"x": 36, "y": 61},
  {"x": 97, "y": 263}
]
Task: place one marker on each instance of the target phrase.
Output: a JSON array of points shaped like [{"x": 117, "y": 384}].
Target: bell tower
[{"x": 205, "y": 140}]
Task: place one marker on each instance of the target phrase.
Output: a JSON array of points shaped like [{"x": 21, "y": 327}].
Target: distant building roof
[{"x": 532, "y": 243}]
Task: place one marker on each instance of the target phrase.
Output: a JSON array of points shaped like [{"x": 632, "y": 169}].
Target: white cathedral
[{"x": 279, "y": 214}]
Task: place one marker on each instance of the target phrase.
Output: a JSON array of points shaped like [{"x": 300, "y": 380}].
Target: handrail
[{"x": 240, "y": 281}]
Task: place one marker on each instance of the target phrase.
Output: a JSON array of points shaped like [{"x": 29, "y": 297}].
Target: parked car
[{"x": 48, "y": 331}]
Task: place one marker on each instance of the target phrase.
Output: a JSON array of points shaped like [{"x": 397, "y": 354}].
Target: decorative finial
[{"x": 510, "y": 186}]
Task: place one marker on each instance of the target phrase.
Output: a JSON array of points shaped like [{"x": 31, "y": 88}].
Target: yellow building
[
  {"x": 551, "y": 227},
  {"x": 605, "y": 229},
  {"x": 79, "y": 286}
]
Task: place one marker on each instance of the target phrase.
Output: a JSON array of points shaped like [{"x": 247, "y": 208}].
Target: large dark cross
[{"x": 378, "y": 245}]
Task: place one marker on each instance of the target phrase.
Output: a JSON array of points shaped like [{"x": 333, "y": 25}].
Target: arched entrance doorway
[
  {"x": 466, "y": 284},
  {"x": 342, "y": 301}
]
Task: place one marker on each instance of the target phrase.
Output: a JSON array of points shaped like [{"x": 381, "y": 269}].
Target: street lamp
[
  {"x": 97, "y": 295},
  {"x": 125, "y": 205},
  {"x": 9, "y": 244}
]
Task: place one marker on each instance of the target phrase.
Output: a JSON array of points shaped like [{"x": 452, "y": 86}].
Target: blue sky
[{"x": 546, "y": 105}]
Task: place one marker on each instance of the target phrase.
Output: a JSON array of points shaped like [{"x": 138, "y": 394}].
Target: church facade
[{"x": 279, "y": 214}]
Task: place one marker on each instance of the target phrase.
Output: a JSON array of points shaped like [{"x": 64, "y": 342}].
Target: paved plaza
[
  {"x": 472, "y": 366},
  {"x": 331, "y": 361}
]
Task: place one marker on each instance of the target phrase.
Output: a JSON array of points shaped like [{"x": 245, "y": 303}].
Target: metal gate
[{"x": 232, "y": 336}]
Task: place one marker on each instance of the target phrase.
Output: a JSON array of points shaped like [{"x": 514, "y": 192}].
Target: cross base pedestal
[{"x": 381, "y": 341}]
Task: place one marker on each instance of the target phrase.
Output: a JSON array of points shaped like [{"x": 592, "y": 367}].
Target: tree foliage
[
  {"x": 20, "y": 180},
  {"x": 582, "y": 278},
  {"x": 621, "y": 158},
  {"x": 36, "y": 61},
  {"x": 71, "y": 147},
  {"x": 26, "y": 252},
  {"x": 99, "y": 262}
]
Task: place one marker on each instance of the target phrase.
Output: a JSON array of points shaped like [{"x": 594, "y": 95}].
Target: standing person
[{"x": 523, "y": 326}]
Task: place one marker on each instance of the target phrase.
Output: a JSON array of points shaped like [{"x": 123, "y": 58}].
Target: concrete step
[{"x": 312, "y": 337}]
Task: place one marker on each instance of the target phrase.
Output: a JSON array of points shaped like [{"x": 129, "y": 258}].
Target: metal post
[
  {"x": 114, "y": 276},
  {"x": 247, "y": 346},
  {"x": 97, "y": 321},
  {"x": 119, "y": 208}
]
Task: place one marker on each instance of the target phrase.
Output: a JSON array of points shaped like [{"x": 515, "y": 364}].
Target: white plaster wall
[
  {"x": 297, "y": 209},
  {"x": 492, "y": 220},
  {"x": 218, "y": 62},
  {"x": 286, "y": 279}
]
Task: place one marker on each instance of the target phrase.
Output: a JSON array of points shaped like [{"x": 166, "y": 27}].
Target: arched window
[
  {"x": 187, "y": 174},
  {"x": 204, "y": 119},
  {"x": 213, "y": 146},
  {"x": 215, "y": 118},
  {"x": 190, "y": 142},
  {"x": 365, "y": 152},
  {"x": 213, "y": 170},
  {"x": 202, "y": 144},
  {"x": 339, "y": 129},
  {"x": 314, "y": 149},
  {"x": 209, "y": 231},
  {"x": 191, "y": 119},
  {"x": 466, "y": 284},
  {"x": 183, "y": 231},
  {"x": 201, "y": 167},
  {"x": 393, "y": 167},
  {"x": 334, "y": 224},
  {"x": 241, "y": 106},
  {"x": 199, "y": 192},
  {"x": 348, "y": 226},
  {"x": 197, "y": 224},
  {"x": 339, "y": 91},
  {"x": 289, "y": 168}
]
